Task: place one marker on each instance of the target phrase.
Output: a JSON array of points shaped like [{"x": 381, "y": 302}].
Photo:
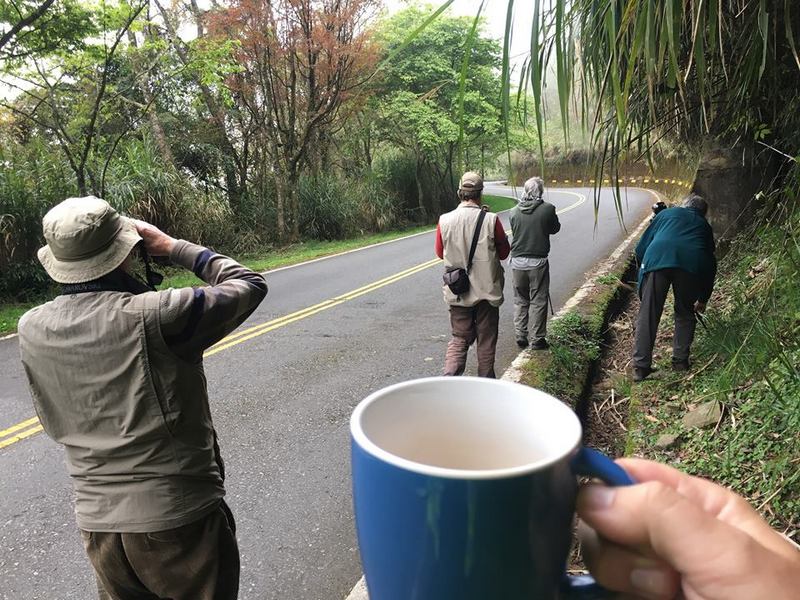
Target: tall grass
[
  {"x": 334, "y": 209},
  {"x": 32, "y": 179}
]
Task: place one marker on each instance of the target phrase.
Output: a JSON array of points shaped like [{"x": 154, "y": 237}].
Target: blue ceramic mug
[{"x": 464, "y": 488}]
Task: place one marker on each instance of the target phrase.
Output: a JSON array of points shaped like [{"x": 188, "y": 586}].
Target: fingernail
[
  {"x": 652, "y": 582},
  {"x": 597, "y": 497}
]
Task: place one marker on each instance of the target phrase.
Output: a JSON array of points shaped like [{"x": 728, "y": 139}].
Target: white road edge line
[{"x": 359, "y": 591}]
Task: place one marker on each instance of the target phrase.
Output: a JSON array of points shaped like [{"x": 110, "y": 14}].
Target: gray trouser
[
  {"x": 468, "y": 324},
  {"x": 531, "y": 292},
  {"x": 199, "y": 561},
  {"x": 655, "y": 287}
]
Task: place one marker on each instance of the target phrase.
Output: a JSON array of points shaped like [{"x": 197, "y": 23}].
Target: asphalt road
[{"x": 281, "y": 397}]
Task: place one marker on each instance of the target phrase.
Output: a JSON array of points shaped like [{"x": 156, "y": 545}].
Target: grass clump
[{"x": 498, "y": 204}]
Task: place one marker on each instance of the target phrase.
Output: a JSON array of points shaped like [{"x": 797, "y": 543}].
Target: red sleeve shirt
[
  {"x": 500, "y": 240},
  {"x": 439, "y": 246}
]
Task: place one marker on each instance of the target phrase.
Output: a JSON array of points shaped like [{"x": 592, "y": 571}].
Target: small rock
[
  {"x": 666, "y": 440},
  {"x": 704, "y": 415}
]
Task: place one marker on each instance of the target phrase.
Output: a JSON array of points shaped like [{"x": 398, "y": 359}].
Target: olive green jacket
[{"x": 117, "y": 378}]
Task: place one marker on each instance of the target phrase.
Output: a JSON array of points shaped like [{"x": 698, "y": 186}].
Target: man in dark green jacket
[
  {"x": 676, "y": 250},
  {"x": 533, "y": 221}
]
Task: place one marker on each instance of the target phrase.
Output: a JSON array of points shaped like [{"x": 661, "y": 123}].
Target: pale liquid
[{"x": 473, "y": 453}]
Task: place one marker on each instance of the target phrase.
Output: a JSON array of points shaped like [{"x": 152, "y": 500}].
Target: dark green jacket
[
  {"x": 532, "y": 224},
  {"x": 679, "y": 238}
]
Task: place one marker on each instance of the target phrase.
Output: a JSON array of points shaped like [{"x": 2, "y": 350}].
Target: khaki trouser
[
  {"x": 470, "y": 323},
  {"x": 531, "y": 294},
  {"x": 199, "y": 561}
]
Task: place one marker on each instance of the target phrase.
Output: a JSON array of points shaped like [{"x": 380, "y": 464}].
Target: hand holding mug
[
  {"x": 674, "y": 533},
  {"x": 464, "y": 489}
]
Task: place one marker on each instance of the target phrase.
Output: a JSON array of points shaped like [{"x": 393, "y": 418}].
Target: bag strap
[{"x": 475, "y": 239}]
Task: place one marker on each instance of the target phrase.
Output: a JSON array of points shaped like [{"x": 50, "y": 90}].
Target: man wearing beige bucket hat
[{"x": 116, "y": 374}]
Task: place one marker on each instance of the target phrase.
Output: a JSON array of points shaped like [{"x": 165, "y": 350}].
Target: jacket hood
[{"x": 528, "y": 206}]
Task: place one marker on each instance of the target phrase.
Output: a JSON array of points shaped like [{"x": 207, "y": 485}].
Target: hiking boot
[
  {"x": 641, "y": 373},
  {"x": 522, "y": 342},
  {"x": 540, "y": 345},
  {"x": 680, "y": 365}
]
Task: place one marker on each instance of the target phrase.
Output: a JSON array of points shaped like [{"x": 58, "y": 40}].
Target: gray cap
[
  {"x": 86, "y": 239},
  {"x": 471, "y": 182}
]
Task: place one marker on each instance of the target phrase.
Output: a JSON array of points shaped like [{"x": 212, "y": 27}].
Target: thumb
[{"x": 654, "y": 518}]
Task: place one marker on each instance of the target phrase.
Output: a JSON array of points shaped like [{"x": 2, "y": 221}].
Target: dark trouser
[
  {"x": 199, "y": 561},
  {"x": 655, "y": 287},
  {"x": 531, "y": 293},
  {"x": 470, "y": 323}
]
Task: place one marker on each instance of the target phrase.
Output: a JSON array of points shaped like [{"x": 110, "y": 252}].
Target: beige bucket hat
[{"x": 86, "y": 239}]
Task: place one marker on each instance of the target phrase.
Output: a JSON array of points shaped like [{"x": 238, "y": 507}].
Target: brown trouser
[
  {"x": 470, "y": 323},
  {"x": 199, "y": 561}
]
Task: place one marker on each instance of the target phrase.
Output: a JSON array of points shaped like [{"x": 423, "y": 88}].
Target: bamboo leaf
[
  {"x": 536, "y": 77},
  {"x": 763, "y": 29},
  {"x": 462, "y": 81},
  {"x": 506, "y": 75},
  {"x": 787, "y": 19}
]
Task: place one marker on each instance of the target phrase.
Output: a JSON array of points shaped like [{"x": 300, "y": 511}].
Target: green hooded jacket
[{"x": 532, "y": 224}]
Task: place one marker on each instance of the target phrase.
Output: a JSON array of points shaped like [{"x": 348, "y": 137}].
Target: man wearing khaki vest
[
  {"x": 116, "y": 373},
  {"x": 474, "y": 315}
]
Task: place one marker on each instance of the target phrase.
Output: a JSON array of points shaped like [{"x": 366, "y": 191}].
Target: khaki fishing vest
[{"x": 486, "y": 277}]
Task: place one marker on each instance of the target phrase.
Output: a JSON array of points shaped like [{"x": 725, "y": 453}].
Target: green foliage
[
  {"x": 426, "y": 108},
  {"x": 142, "y": 186},
  {"x": 608, "y": 279},
  {"x": 62, "y": 27},
  {"x": 32, "y": 179}
]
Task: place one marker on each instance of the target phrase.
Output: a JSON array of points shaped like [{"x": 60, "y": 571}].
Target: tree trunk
[
  {"x": 280, "y": 210},
  {"x": 423, "y": 214},
  {"x": 294, "y": 198},
  {"x": 152, "y": 116},
  {"x": 235, "y": 187}
]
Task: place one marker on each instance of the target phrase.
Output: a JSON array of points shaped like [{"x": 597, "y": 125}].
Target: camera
[{"x": 658, "y": 207}]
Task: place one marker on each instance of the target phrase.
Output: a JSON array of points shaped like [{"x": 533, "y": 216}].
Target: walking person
[
  {"x": 474, "y": 314},
  {"x": 533, "y": 221},
  {"x": 116, "y": 373},
  {"x": 677, "y": 251}
]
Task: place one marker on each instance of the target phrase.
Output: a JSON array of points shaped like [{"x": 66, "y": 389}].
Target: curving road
[{"x": 329, "y": 332}]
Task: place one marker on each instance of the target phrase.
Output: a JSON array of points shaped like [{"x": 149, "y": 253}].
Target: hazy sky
[{"x": 494, "y": 12}]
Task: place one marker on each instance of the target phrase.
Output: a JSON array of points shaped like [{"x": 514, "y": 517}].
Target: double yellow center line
[
  {"x": 31, "y": 426},
  {"x": 251, "y": 332},
  {"x": 20, "y": 431}
]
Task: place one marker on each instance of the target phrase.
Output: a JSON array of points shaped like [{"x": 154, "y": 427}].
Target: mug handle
[{"x": 592, "y": 463}]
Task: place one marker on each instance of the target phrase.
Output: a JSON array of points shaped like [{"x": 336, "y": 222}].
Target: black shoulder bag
[{"x": 456, "y": 278}]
